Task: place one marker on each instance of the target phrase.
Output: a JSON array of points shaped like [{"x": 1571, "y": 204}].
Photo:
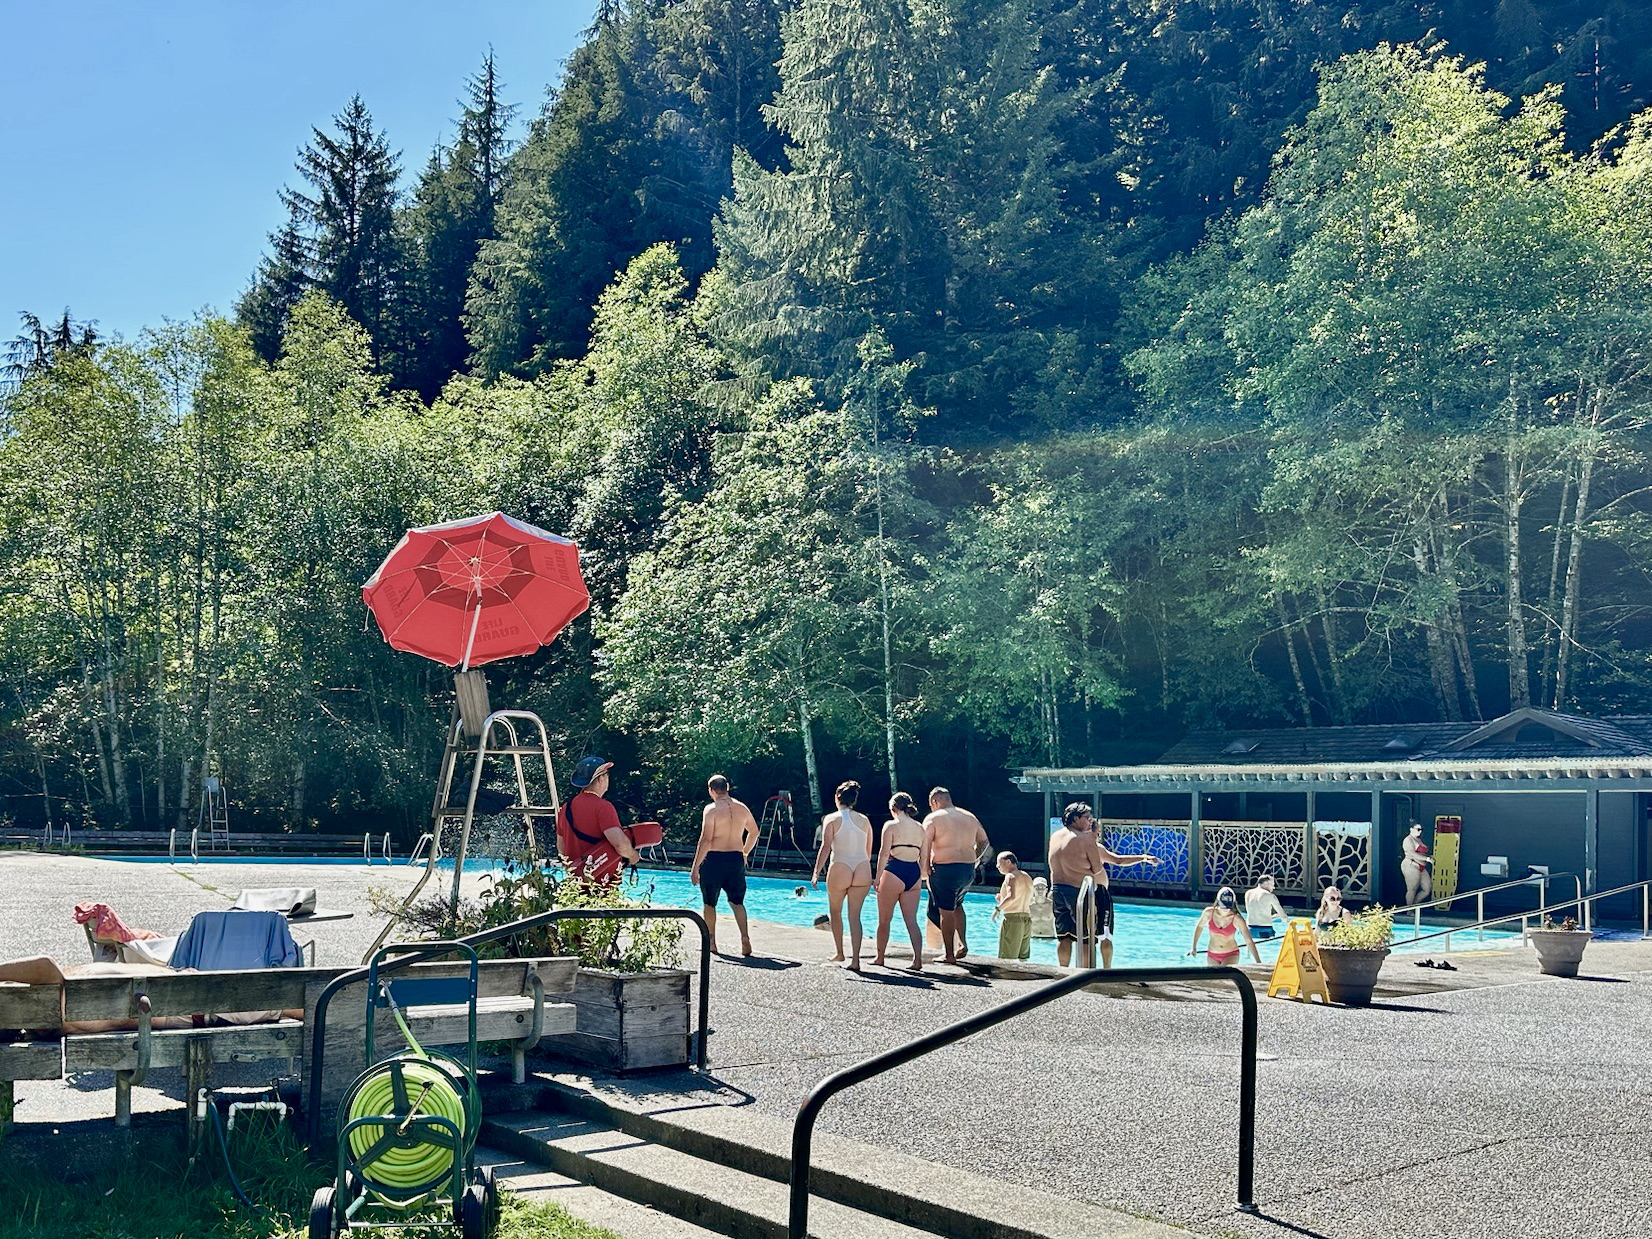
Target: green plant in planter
[
  {"x": 1370, "y": 930},
  {"x": 522, "y": 889},
  {"x": 1567, "y": 923}
]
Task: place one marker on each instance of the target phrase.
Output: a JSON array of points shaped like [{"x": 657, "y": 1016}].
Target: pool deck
[{"x": 1486, "y": 1102}]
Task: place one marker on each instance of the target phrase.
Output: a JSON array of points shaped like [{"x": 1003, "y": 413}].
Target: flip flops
[{"x": 1445, "y": 965}]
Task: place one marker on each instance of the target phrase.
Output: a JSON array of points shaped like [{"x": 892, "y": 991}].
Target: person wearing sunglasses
[{"x": 1330, "y": 908}]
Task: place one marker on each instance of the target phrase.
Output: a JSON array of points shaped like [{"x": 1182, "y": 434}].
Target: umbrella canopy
[{"x": 474, "y": 591}]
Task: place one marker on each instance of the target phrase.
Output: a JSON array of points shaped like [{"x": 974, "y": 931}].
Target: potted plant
[
  {"x": 631, "y": 993},
  {"x": 1351, "y": 953},
  {"x": 1560, "y": 947}
]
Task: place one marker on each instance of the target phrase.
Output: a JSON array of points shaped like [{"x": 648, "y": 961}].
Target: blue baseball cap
[{"x": 588, "y": 769}]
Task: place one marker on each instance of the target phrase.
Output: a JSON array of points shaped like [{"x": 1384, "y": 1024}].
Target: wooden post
[
  {"x": 197, "y": 1076},
  {"x": 1378, "y": 879},
  {"x": 1195, "y": 847},
  {"x": 1591, "y": 842},
  {"x": 123, "y": 1099},
  {"x": 1310, "y": 848}
]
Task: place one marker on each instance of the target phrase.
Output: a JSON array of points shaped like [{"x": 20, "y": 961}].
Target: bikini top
[
  {"x": 895, "y": 824},
  {"x": 852, "y": 845}
]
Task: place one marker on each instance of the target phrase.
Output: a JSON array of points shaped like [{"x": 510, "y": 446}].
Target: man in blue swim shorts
[
  {"x": 954, "y": 843},
  {"x": 1076, "y": 853}
]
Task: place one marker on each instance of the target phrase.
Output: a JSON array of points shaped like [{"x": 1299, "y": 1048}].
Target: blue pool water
[{"x": 1147, "y": 934}]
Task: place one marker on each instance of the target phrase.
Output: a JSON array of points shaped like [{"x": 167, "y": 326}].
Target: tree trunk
[
  {"x": 1439, "y": 654},
  {"x": 1574, "y": 568},
  {"x": 1551, "y": 634},
  {"x": 1287, "y": 627},
  {"x": 1513, "y": 502},
  {"x": 888, "y": 661},
  {"x": 1333, "y": 657},
  {"x": 805, "y": 725},
  {"x": 97, "y": 733}
]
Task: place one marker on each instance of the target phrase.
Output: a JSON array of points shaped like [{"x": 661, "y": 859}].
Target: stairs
[{"x": 714, "y": 1167}]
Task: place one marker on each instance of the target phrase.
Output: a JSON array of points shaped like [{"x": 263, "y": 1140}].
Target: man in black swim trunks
[
  {"x": 954, "y": 843},
  {"x": 728, "y": 832},
  {"x": 1077, "y": 853}
]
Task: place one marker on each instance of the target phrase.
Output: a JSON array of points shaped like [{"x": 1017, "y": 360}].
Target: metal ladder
[
  {"x": 213, "y": 818},
  {"x": 777, "y": 827},
  {"x": 484, "y": 737}
]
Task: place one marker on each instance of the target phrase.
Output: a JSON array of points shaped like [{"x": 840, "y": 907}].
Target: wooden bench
[{"x": 513, "y": 1006}]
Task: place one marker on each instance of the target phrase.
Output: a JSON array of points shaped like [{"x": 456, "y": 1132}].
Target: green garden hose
[
  {"x": 388, "y": 1152},
  {"x": 410, "y": 1166}
]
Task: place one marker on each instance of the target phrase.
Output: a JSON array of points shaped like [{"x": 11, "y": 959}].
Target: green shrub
[{"x": 1370, "y": 930}]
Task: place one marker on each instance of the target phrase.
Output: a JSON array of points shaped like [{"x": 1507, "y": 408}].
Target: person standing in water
[
  {"x": 728, "y": 832},
  {"x": 1077, "y": 853},
  {"x": 846, "y": 837},
  {"x": 900, "y": 870},
  {"x": 1262, "y": 908},
  {"x": 1226, "y": 927}
]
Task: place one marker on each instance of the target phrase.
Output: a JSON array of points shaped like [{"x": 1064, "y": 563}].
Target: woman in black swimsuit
[{"x": 898, "y": 876}]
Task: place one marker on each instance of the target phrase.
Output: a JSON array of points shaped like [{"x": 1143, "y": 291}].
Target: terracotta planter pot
[
  {"x": 1560, "y": 951},
  {"x": 1351, "y": 973}
]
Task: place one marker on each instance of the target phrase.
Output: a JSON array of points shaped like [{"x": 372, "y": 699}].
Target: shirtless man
[
  {"x": 1013, "y": 904},
  {"x": 1076, "y": 853},
  {"x": 954, "y": 843},
  {"x": 728, "y": 832}
]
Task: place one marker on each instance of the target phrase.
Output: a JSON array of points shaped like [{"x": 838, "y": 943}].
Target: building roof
[{"x": 1518, "y": 749}]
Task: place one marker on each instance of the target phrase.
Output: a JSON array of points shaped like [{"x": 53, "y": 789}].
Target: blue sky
[{"x": 146, "y": 140}]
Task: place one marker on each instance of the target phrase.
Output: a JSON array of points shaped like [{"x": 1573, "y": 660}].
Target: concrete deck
[{"x": 1486, "y": 1102}]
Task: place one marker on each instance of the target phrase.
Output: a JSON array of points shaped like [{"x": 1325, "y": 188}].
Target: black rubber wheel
[
  {"x": 473, "y": 1213},
  {"x": 321, "y": 1214},
  {"x": 490, "y": 1194}
]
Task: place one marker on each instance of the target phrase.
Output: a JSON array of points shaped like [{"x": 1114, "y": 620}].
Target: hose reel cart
[{"x": 408, "y": 1124}]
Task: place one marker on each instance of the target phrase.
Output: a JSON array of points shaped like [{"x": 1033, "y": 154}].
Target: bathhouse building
[{"x": 1531, "y": 791}]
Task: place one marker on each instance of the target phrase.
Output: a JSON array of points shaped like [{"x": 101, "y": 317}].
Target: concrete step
[
  {"x": 934, "y": 1198},
  {"x": 704, "y": 1193},
  {"x": 536, "y": 1185}
]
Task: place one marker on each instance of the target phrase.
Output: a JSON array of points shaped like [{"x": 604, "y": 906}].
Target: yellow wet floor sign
[{"x": 1298, "y": 973}]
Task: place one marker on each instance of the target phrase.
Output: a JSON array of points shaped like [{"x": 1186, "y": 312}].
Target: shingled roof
[{"x": 1522, "y": 734}]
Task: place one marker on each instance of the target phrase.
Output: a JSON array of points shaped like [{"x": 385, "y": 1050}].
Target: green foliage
[{"x": 1369, "y": 930}]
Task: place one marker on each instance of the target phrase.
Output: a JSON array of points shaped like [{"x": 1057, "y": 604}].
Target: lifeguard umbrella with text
[{"x": 474, "y": 591}]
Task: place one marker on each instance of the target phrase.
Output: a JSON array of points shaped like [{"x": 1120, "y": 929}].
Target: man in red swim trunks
[{"x": 588, "y": 831}]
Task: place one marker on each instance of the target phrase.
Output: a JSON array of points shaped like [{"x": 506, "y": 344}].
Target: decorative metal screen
[
  {"x": 1343, "y": 856},
  {"x": 1169, "y": 841},
  {"x": 1236, "y": 854}
]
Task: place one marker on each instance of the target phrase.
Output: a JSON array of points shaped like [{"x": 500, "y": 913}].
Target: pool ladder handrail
[
  {"x": 1586, "y": 902},
  {"x": 809, "y": 1111},
  {"x": 1085, "y": 915},
  {"x": 1539, "y": 879},
  {"x": 417, "y": 854}
]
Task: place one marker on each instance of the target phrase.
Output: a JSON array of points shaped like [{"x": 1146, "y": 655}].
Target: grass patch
[{"x": 155, "y": 1191}]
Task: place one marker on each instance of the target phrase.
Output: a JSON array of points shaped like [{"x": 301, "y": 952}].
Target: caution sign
[
  {"x": 1298, "y": 973},
  {"x": 1448, "y": 833}
]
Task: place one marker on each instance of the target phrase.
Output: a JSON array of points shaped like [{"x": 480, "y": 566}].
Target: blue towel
[{"x": 222, "y": 941}]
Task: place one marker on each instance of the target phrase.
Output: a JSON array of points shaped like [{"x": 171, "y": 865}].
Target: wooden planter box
[{"x": 627, "y": 1021}]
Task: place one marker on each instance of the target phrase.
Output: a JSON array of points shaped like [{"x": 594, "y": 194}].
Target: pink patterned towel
[{"x": 108, "y": 927}]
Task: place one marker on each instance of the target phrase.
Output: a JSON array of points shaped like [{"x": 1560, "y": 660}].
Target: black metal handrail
[
  {"x": 809, "y": 1111},
  {"x": 325, "y": 998}
]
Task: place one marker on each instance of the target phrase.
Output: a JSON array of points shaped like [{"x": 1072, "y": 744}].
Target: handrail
[
  {"x": 419, "y": 847},
  {"x": 195, "y": 845},
  {"x": 385, "y": 851},
  {"x": 1084, "y": 913},
  {"x": 809, "y": 1111},
  {"x": 68, "y": 835},
  {"x": 1541, "y": 879},
  {"x": 324, "y": 999},
  {"x": 1586, "y": 901},
  {"x": 46, "y": 837},
  {"x": 172, "y": 844},
  {"x": 367, "y": 848}
]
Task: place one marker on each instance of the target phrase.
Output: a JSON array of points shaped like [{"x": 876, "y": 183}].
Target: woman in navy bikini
[{"x": 899, "y": 874}]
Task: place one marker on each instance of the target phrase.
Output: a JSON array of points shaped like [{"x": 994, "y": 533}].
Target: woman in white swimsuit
[{"x": 847, "y": 838}]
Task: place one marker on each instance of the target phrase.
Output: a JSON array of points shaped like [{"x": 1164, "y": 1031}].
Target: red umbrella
[{"x": 474, "y": 591}]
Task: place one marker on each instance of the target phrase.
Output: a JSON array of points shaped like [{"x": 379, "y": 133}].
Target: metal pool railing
[{"x": 803, "y": 1127}]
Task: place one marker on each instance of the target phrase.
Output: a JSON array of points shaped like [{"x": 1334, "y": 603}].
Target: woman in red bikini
[{"x": 1226, "y": 927}]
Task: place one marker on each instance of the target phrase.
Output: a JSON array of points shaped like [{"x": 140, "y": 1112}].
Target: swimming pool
[{"x": 1147, "y": 934}]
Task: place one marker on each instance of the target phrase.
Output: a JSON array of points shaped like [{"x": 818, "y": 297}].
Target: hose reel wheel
[{"x": 410, "y": 1122}]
